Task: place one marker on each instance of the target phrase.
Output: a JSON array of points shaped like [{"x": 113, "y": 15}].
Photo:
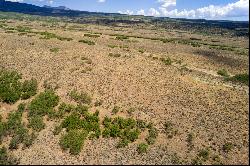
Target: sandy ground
[{"x": 198, "y": 101}]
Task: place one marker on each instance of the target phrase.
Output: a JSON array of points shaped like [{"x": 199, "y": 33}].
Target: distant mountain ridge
[
  {"x": 237, "y": 28},
  {"x": 8, "y": 6}
]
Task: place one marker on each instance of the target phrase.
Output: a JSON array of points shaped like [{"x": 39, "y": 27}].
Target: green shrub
[
  {"x": 141, "y": 51},
  {"x": 227, "y": 147},
  {"x": 82, "y": 98},
  {"x": 190, "y": 139},
  {"x": 87, "y": 42},
  {"x": 73, "y": 141},
  {"x": 21, "y": 107},
  {"x": 6, "y": 159},
  {"x": 54, "y": 50},
  {"x": 223, "y": 73},
  {"x": 73, "y": 122},
  {"x": 36, "y": 123},
  {"x": 204, "y": 153},
  {"x": 122, "y": 37},
  {"x": 167, "y": 61},
  {"x": 115, "y": 55},
  {"x": 57, "y": 130},
  {"x": 142, "y": 148},
  {"x": 11, "y": 89},
  {"x": 112, "y": 46},
  {"x": 141, "y": 124},
  {"x": 153, "y": 133},
  {"x": 29, "y": 89},
  {"x": 43, "y": 103},
  {"x": 10, "y": 86},
  {"x": 123, "y": 143},
  {"x": 92, "y": 35},
  {"x": 242, "y": 78},
  {"x": 115, "y": 110},
  {"x": 170, "y": 130}
]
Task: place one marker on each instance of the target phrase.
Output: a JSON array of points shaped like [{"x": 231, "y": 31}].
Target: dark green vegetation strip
[{"x": 27, "y": 30}]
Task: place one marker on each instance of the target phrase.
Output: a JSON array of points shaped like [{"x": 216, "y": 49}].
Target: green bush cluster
[
  {"x": 12, "y": 89},
  {"x": 122, "y": 37},
  {"x": 48, "y": 35},
  {"x": 79, "y": 125},
  {"x": 43, "y": 103},
  {"x": 241, "y": 78},
  {"x": 87, "y": 42},
  {"x": 92, "y": 35},
  {"x": 73, "y": 140},
  {"x": 16, "y": 129},
  {"x": 152, "y": 134},
  {"x": 40, "y": 106},
  {"x": 127, "y": 130}
]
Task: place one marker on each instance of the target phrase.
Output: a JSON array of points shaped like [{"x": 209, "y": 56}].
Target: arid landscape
[{"x": 121, "y": 94}]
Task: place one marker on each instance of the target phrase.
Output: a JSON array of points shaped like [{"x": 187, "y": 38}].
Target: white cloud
[
  {"x": 237, "y": 9},
  {"x": 101, "y": 1},
  {"x": 129, "y": 12},
  {"x": 153, "y": 12},
  {"x": 167, "y": 3},
  {"x": 141, "y": 12}
]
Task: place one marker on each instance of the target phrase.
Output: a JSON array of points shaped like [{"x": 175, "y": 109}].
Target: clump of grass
[
  {"x": 98, "y": 103},
  {"x": 227, "y": 147},
  {"x": 167, "y": 61},
  {"x": 86, "y": 60},
  {"x": 122, "y": 37},
  {"x": 92, "y": 35},
  {"x": 6, "y": 159},
  {"x": 142, "y": 148},
  {"x": 36, "y": 123},
  {"x": 29, "y": 89},
  {"x": 153, "y": 133},
  {"x": 14, "y": 128},
  {"x": 130, "y": 111},
  {"x": 55, "y": 50},
  {"x": 82, "y": 97},
  {"x": 241, "y": 78},
  {"x": 114, "y": 55},
  {"x": 87, "y": 42},
  {"x": 11, "y": 89},
  {"x": 170, "y": 130},
  {"x": 57, "y": 130},
  {"x": 190, "y": 139},
  {"x": 115, "y": 110},
  {"x": 141, "y": 51},
  {"x": 223, "y": 73},
  {"x": 112, "y": 46},
  {"x": 204, "y": 154},
  {"x": 73, "y": 140}
]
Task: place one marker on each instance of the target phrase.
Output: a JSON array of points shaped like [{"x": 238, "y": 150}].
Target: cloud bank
[{"x": 230, "y": 10}]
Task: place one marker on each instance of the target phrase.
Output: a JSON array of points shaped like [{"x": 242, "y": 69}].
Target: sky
[{"x": 194, "y": 9}]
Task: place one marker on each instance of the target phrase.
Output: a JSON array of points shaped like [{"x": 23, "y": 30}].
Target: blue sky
[{"x": 208, "y": 9}]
